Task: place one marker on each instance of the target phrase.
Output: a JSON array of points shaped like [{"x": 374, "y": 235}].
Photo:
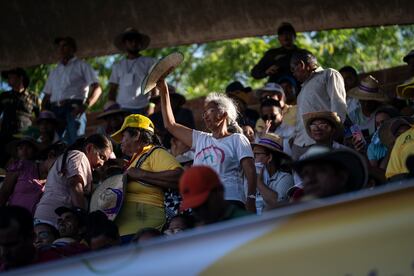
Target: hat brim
[
  {"x": 194, "y": 201},
  {"x": 174, "y": 97},
  {"x": 63, "y": 209},
  {"x": 106, "y": 114},
  {"x": 160, "y": 69},
  {"x": 366, "y": 96},
  {"x": 281, "y": 153},
  {"x": 144, "y": 39},
  {"x": 338, "y": 125},
  {"x": 351, "y": 160},
  {"x": 12, "y": 146},
  {"x": 407, "y": 57},
  {"x": 113, "y": 182}
]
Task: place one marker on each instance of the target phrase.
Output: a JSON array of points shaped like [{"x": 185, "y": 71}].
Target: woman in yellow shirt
[{"x": 150, "y": 170}]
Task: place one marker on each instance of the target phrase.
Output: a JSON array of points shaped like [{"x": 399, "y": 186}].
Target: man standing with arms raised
[{"x": 128, "y": 74}]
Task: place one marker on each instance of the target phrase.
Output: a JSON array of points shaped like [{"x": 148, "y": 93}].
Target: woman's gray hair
[{"x": 226, "y": 105}]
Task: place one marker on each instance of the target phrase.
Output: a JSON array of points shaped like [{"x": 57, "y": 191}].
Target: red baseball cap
[{"x": 196, "y": 184}]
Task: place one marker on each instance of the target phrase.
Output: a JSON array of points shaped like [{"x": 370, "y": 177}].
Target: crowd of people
[{"x": 148, "y": 171}]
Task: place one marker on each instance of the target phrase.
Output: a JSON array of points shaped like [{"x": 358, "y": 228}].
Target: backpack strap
[{"x": 143, "y": 157}]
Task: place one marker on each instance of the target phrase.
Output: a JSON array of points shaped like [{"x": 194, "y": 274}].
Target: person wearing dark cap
[
  {"x": 19, "y": 106},
  {"x": 406, "y": 89},
  {"x": 128, "y": 74},
  {"x": 275, "y": 62},
  {"x": 241, "y": 95},
  {"x": 71, "y": 88},
  {"x": 72, "y": 225},
  {"x": 203, "y": 192}
]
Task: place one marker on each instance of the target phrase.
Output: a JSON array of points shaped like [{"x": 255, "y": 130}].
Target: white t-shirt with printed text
[{"x": 224, "y": 156}]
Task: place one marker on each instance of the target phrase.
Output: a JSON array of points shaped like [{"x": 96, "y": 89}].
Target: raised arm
[{"x": 179, "y": 131}]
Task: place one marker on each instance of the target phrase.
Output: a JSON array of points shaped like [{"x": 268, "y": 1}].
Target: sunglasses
[{"x": 271, "y": 117}]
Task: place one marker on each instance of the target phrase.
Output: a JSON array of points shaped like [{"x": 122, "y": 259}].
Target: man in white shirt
[
  {"x": 322, "y": 89},
  {"x": 128, "y": 74},
  {"x": 72, "y": 87}
]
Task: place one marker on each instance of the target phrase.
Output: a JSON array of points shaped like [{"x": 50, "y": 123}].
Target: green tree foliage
[{"x": 211, "y": 66}]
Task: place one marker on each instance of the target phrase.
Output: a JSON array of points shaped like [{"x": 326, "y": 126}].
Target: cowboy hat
[
  {"x": 273, "y": 142},
  {"x": 161, "y": 69},
  {"x": 112, "y": 109},
  {"x": 409, "y": 55},
  {"x": 19, "y": 72},
  {"x": 349, "y": 159},
  {"x": 406, "y": 90},
  {"x": 387, "y": 131},
  {"x": 368, "y": 90},
  {"x": 11, "y": 147},
  {"x": 329, "y": 116},
  {"x": 47, "y": 115},
  {"x": 108, "y": 196},
  {"x": 131, "y": 32}
]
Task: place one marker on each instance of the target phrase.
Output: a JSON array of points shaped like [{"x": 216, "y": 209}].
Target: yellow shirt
[
  {"x": 159, "y": 160},
  {"x": 404, "y": 147}
]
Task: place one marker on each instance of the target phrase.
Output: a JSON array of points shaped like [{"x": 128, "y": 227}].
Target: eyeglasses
[
  {"x": 259, "y": 153},
  {"x": 208, "y": 112},
  {"x": 271, "y": 117},
  {"x": 319, "y": 126}
]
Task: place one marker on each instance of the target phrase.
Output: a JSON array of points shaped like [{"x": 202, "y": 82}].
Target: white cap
[{"x": 271, "y": 87}]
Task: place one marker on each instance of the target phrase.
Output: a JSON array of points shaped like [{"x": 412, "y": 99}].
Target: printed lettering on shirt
[{"x": 211, "y": 155}]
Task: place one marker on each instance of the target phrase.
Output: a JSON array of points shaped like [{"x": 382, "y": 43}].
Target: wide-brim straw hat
[
  {"x": 352, "y": 161},
  {"x": 143, "y": 38},
  {"x": 388, "y": 129},
  {"x": 160, "y": 69},
  {"x": 274, "y": 143},
  {"x": 109, "y": 196},
  {"x": 406, "y": 89},
  {"x": 329, "y": 116},
  {"x": 11, "y": 148},
  {"x": 368, "y": 90}
]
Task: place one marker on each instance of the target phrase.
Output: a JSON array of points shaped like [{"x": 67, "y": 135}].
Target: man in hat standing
[
  {"x": 322, "y": 89},
  {"x": 370, "y": 98},
  {"x": 18, "y": 107},
  {"x": 72, "y": 87},
  {"x": 275, "y": 62},
  {"x": 128, "y": 74}
]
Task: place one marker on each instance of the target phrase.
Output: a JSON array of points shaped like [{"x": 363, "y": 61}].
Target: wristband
[{"x": 251, "y": 196}]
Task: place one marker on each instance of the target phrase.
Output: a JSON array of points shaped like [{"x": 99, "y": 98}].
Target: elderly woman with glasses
[
  {"x": 224, "y": 148},
  {"x": 150, "y": 170}
]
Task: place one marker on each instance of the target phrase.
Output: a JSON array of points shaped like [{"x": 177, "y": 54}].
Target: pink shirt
[
  {"x": 57, "y": 189},
  {"x": 28, "y": 190}
]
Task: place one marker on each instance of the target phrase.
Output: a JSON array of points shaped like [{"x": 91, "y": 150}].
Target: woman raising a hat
[
  {"x": 227, "y": 152},
  {"x": 150, "y": 170}
]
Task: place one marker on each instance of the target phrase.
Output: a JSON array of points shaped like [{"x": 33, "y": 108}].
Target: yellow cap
[{"x": 134, "y": 121}]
